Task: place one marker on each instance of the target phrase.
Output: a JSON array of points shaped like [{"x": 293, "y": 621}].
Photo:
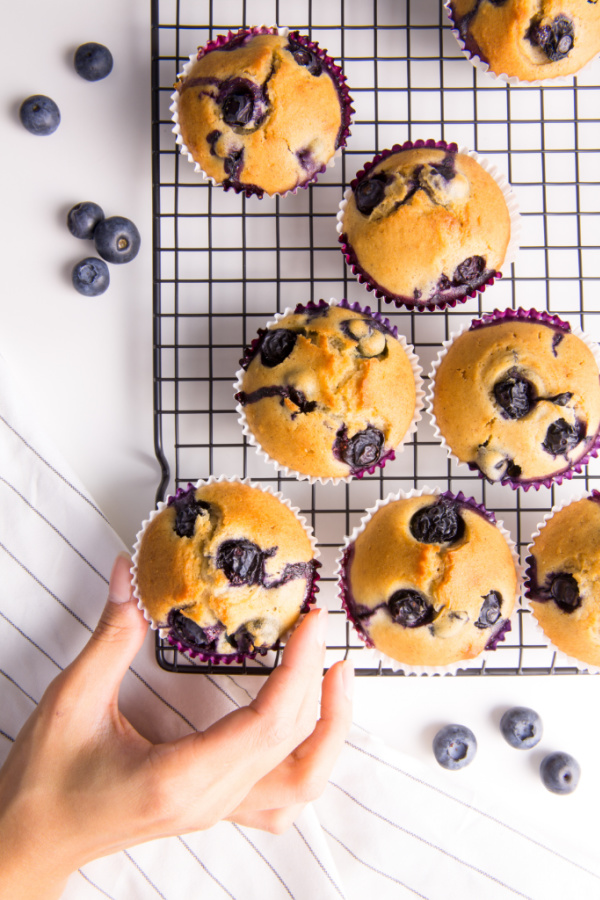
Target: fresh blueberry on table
[
  {"x": 560, "y": 773},
  {"x": 454, "y": 746},
  {"x": 39, "y": 114},
  {"x": 83, "y": 218},
  {"x": 521, "y": 727},
  {"x": 90, "y": 277},
  {"x": 117, "y": 239},
  {"x": 93, "y": 61}
]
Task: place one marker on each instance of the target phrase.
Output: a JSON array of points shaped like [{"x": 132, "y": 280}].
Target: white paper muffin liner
[
  {"x": 164, "y": 632},
  {"x": 419, "y": 402},
  {"x": 375, "y": 657},
  {"x": 499, "y": 315},
  {"x": 364, "y": 278},
  {"x": 561, "y": 659},
  {"x": 513, "y": 80},
  {"x": 345, "y": 104}
]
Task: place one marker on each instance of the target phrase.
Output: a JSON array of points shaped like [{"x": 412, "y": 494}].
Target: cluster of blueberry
[
  {"x": 116, "y": 239},
  {"x": 454, "y": 747}
]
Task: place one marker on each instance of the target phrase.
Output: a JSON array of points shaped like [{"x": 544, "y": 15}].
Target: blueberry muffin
[
  {"x": 262, "y": 112},
  {"x": 517, "y": 396},
  {"x": 329, "y": 391},
  {"x": 563, "y": 579},
  {"x": 224, "y": 569},
  {"x": 528, "y": 39},
  {"x": 425, "y": 226},
  {"x": 430, "y": 580}
]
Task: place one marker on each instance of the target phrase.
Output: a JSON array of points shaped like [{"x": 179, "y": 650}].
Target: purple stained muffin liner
[
  {"x": 381, "y": 292},
  {"x": 165, "y": 632},
  {"x": 482, "y": 66},
  {"x": 238, "y": 38},
  {"x": 520, "y": 314},
  {"x": 349, "y": 605},
  {"x": 530, "y": 585},
  {"x": 320, "y": 306}
]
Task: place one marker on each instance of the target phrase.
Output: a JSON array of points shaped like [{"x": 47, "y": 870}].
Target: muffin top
[
  {"x": 262, "y": 112},
  {"x": 564, "y": 579},
  {"x": 528, "y": 39},
  {"x": 226, "y": 567},
  {"x": 431, "y": 580},
  {"x": 426, "y": 226},
  {"x": 328, "y": 391},
  {"x": 518, "y": 398}
]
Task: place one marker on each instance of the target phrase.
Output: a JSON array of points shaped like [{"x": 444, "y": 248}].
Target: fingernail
[
  {"x": 348, "y": 678},
  {"x": 321, "y": 629},
  {"x": 119, "y": 586}
]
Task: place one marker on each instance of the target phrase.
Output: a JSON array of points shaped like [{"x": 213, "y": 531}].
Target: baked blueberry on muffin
[
  {"x": 425, "y": 226},
  {"x": 528, "y": 39},
  {"x": 517, "y": 396},
  {"x": 430, "y": 580},
  {"x": 563, "y": 579},
  {"x": 261, "y": 111},
  {"x": 224, "y": 569},
  {"x": 329, "y": 391}
]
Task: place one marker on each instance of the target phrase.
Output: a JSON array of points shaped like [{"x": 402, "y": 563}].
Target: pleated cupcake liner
[
  {"x": 367, "y": 280},
  {"x": 165, "y": 631},
  {"x": 250, "y": 352},
  {"x": 519, "y": 314},
  {"x": 337, "y": 76},
  {"x": 370, "y": 653}
]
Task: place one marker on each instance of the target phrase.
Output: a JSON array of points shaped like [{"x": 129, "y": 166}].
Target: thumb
[{"x": 118, "y": 635}]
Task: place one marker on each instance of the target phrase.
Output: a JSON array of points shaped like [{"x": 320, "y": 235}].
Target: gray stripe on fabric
[
  {"x": 474, "y": 809},
  {"x": 372, "y": 868},
  {"x": 17, "y": 685},
  {"x": 93, "y": 884},
  {"x": 429, "y": 844},
  {"x": 144, "y": 874},
  {"x": 7, "y": 736},
  {"x": 320, "y": 864},
  {"x": 264, "y": 859},
  {"x": 208, "y": 872}
]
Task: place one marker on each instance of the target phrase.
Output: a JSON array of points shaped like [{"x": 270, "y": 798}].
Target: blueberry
[
  {"x": 305, "y": 57},
  {"x": 188, "y": 632},
  {"x": 276, "y": 346},
  {"x": 360, "y": 451},
  {"x": 242, "y": 561},
  {"x": 555, "y": 39},
  {"x": 410, "y": 609},
  {"x": 560, "y": 773},
  {"x": 90, "y": 276},
  {"x": 521, "y": 727},
  {"x": 187, "y": 510},
  {"x": 93, "y": 61},
  {"x": 238, "y": 107},
  {"x": 39, "y": 114},
  {"x": 83, "y": 218},
  {"x": 242, "y": 640},
  {"x": 234, "y": 163},
  {"x": 490, "y": 610},
  {"x": 369, "y": 194},
  {"x": 514, "y": 394},
  {"x": 454, "y": 746},
  {"x": 469, "y": 272},
  {"x": 439, "y": 523},
  {"x": 560, "y": 438},
  {"x": 564, "y": 590},
  {"x": 117, "y": 239}
]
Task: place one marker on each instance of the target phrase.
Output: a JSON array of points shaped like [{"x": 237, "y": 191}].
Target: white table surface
[{"x": 85, "y": 366}]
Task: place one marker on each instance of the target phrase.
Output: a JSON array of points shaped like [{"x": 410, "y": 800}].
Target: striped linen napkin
[{"x": 384, "y": 827}]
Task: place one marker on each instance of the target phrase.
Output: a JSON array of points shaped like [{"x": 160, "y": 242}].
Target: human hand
[{"x": 80, "y": 782}]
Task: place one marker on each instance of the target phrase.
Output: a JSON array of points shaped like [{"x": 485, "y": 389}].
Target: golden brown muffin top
[
  {"x": 226, "y": 554},
  {"x": 432, "y": 580},
  {"x": 427, "y": 224},
  {"x": 518, "y": 399},
  {"x": 529, "y": 39},
  {"x": 328, "y": 391},
  {"x": 256, "y": 116},
  {"x": 564, "y": 581}
]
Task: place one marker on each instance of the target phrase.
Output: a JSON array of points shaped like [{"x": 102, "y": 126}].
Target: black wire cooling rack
[{"x": 224, "y": 263}]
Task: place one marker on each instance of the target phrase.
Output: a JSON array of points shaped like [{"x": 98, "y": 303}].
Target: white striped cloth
[{"x": 384, "y": 827}]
